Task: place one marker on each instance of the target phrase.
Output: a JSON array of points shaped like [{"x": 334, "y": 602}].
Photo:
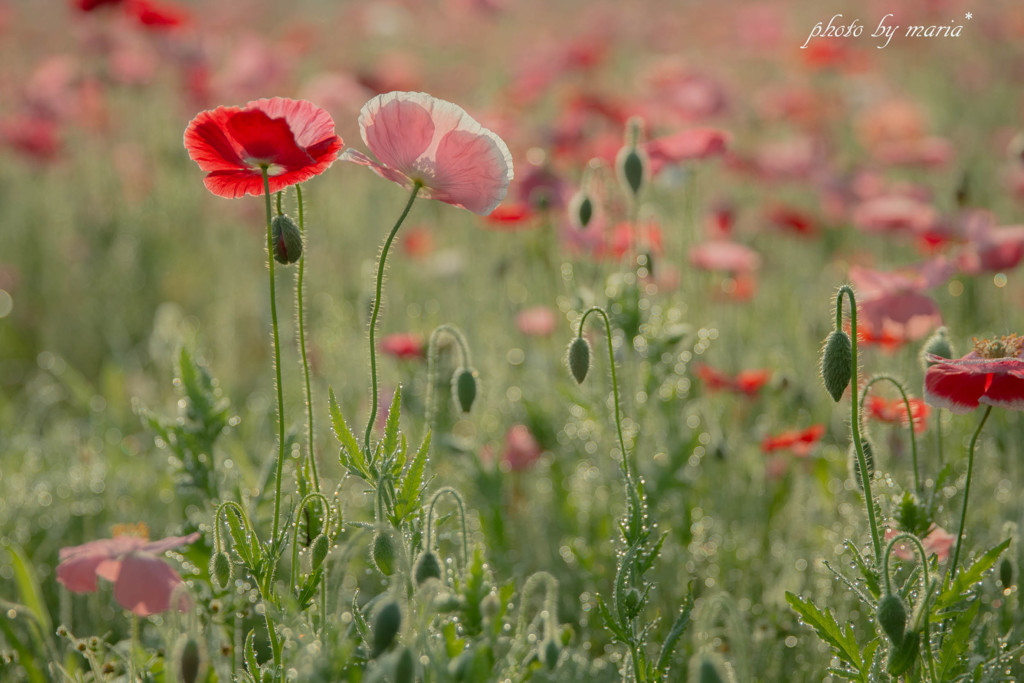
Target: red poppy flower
[
  {"x": 993, "y": 374},
  {"x": 895, "y": 411},
  {"x": 293, "y": 139},
  {"x": 747, "y": 382},
  {"x": 403, "y": 345},
  {"x": 143, "y": 582},
  {"x": 511, "y": 216},
  {"x": 893, "y": 305},
  {"x": 800, "y": 441},
  {"x": 421, "y": 139}
]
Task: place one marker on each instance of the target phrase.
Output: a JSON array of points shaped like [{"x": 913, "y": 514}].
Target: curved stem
[
  {"x": 910, "y": 420},
  {"x": 277, "y": 356},
  {"x": 318, "y": 497},
  {"x": 300, "y": 311},
  {"x": 925, "y": 587},
  {"x": 615, "y": 382},
  {"x": 376, "y": 311},
  {"x": 951, "y": 571},
  {"x": 460, "y": 341},
  {"x": 462, "y": 516},
  {"x": 854, "y": 416}
]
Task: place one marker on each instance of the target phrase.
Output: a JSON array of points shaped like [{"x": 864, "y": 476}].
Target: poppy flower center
[
  {"x": 1007, "y": 346},
  {"x": 139, "y": 530}
]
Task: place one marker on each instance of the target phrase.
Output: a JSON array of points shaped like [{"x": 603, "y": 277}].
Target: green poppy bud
[
  {"x": 405, "y": 667},
  {"x": 287, "y": 239},
  {"x": 464, "y": 388},
  {"x": 427, "y": 567},
  {"x": 892, "y": 617},
  {"x": 386, "y": 625},
  {"x": 579, "y": 359},
  {"x": 709, "y": 667},
  {"x": 383, "y": 552},
  {"x": 550, "y": 651},
  {"x": 903, "y": 655},
  {"x": 581, "y": 209},
  {"x": 318, "y": 553},
  {"x": 937, "y": 345},
  {"x": 190, "y": 659},
  {"x": 220, "y": 570},
  {"x": 631, "y": 166},
  {"x": 836, "y": 359},
  {"x": 1006, "y": 573}
]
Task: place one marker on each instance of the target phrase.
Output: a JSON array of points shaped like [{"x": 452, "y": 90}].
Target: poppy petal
[
  {"x": 473, "y": 170},
  {"x": 1006, "y": 390},
  {"x": 947, "y": 386},
  {"x": 208, "y": 143},
  {"x": 397, "y": 128},
  {"x": 145, "y": 584},
  {"x": 266, "y": 140}
]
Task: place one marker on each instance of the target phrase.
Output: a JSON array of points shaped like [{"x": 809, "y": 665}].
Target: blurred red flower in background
[
  {"x": 403, "y": 345},
  {"x": 895, "y": 411},
  {"x": 799, "y": 441},
  {"x": 294, "y": 139}
]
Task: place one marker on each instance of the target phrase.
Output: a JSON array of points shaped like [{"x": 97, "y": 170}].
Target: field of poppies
[{"x": 507, "y": 340}]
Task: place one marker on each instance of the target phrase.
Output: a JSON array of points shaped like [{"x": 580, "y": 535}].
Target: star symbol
[{"x": 968, "y": 16}]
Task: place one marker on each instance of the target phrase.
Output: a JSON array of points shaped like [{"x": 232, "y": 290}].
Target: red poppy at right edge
[
  {"x": 993, "y": 374},
  {"x": 293, "y": 139}
]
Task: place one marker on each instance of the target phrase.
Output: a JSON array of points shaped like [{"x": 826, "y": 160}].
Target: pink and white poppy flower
[{"x": 419, "y": 139}]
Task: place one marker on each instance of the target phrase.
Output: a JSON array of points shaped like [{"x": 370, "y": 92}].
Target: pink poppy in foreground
[
  {"x": 936, "y": 542},
  {"x": 143, "y": 582},
  {"x": 293, "y": 139},
  {"x": 419, "y": 139},
  {"x": 538, "y": 321},
  {"x": 993, "y": 374}
]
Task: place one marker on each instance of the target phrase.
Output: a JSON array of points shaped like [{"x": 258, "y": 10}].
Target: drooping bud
[
  {"x": 579, "y": 359},
  {"x": 709, "y": 667},
  {"x": 287, "y": 239},
  {"x": 383, "y": 552},
  {"x": 190, "y": 659},
  {"x": 581, "y": 209},
  {"x": 633, "y": 601},
  {"x": 892, "y": 617},
  {"x": 937, "y": 345},
  {"x": 631, "y": 161},
  {"x": 427, "y": 567},
  {"x": 903, "y": 655},
  {"x": 836, "y": 359},
  {"x": 386, "y": 625},
  {"x": 1006, "y": 573},
  {"x": 854, "y": 462},
  {"x": 464, "y": 388},
  {"x": 405, "y": 667},
  {"x": 220, "y": 570},
  {"x": 318, "y": 553},
  {"x": 550, "y": 651}
]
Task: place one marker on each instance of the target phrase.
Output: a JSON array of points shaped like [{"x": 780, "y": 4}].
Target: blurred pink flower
[
  {"x": 936, "y": 542},
  {"x": 521, "y": 448},
  {"x": 419, "y": 139},
  {"x": 894, "y": 213},
  {"x": 723, "y": 255},
  {"x": 686, "y": 145},
  {"x": 538, "y": 321},
  {"x": 893, "y": 305},
  {"x": 143, "y": 582},
  {"x": 991, "y": 249}
]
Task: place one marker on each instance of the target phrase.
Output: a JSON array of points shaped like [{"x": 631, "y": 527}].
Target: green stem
[
  {"x": 910, "y": 419},
  {"x": 301, "y": 311},
  {"x": 951, "y": 571},
  {"x": 376, "y": 311},
  {"x": 460, "y": 341},
  {"x": 615, "y": 382},
  {"x": 854, "y": 416},
  {"x": 277, "y": 356},
  {"x": 462, "y": 516},
  {"x": 925, "y": 585}
]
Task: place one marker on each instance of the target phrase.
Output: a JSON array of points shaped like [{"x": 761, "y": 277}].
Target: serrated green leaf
[
  {"x": 610, "y": 623},
  {"x": 956, "y": 643},
  {"x": 352, "y": 456},
  {"x": 309, "y": 587},
  {"x": 966, "y": 579},
  {"x": 249, "y": 650},
  {"x": 828, "y": 629},
  {"x": 676, "y": 632},
  {"x": 412, "y": 484},
  {"x": 390, "y": 443}
]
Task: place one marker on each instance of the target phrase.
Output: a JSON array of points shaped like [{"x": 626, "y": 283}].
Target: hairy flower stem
[
  {"x": 925, "y": 587},
  {"x": 854, "y": 416},
  {"x": 910, "y": 419},
  {"x": 301, "y": 315},
  {"x": 951, "y": 570},
  {"x": 277, "y": 356},
  {"x": 376, "y": 311},
  {"x": 432, "y": 354}
]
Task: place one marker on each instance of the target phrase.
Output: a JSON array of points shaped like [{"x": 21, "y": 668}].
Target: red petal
[
  {"x": 208, "y": 143},
  {"x": 266, "y": 140},
  {"x": 1005, "y": 390},
  {"x": 951, "y": 387}
]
